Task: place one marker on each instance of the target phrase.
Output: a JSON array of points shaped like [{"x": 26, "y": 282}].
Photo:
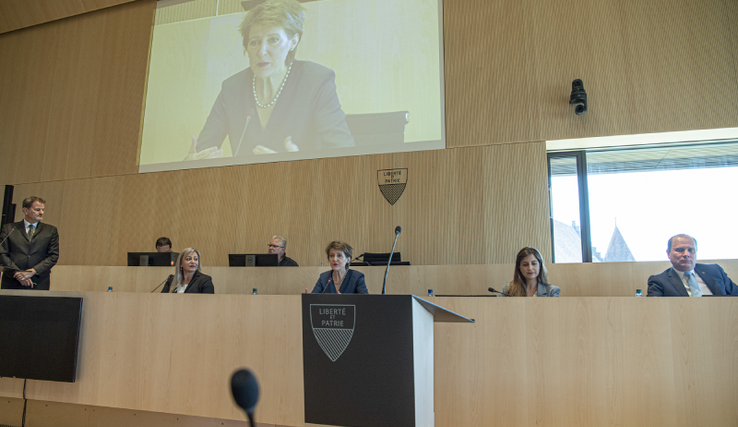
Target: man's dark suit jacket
[
  {"x": 669, "y": 284},
  {"x": 21, "y": 253},
  {"x": 353, "y": 283},
  {"x": 200, "y": 284}
]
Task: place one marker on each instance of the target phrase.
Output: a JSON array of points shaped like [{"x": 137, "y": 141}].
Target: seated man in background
[
  {"x": 163, "y": 244},
  {"x": 686, "y": 278},
  {"x": 278, "y": 245}
]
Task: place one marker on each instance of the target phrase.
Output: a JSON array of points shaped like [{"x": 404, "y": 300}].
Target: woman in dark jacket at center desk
[
  {"x": 340, "y": 279},
  {"x": 189, "y": 279}
]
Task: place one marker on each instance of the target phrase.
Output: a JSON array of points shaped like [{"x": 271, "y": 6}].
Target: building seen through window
[{"x": 639, "y": 197}]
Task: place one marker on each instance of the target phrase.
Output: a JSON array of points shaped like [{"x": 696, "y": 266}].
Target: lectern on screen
[
  {"x": 39, "y": 337},
  {"x": 368, "y": 359}
]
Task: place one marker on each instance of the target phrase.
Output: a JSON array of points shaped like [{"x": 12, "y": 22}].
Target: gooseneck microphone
[
  {"x": 327, "y": 285},
  {"x": 6, "y": 237},
  {"x": 240, "y": 141},
  {"x": 495, "y": 291},
  {"x": 245, "y": 391},
  {"x": 169, "y": 279},
  {"x": 398, "y": 229}
]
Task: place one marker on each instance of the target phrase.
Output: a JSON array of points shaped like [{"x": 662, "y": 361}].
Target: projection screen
[{"x": 375, "y": 64}]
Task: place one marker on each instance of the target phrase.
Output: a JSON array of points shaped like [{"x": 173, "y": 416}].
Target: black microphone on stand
[
  {"x": 398, "y": 229},
  {"x": 169, "y": 279},
  {"x": 330, "y": 282},
  {"x": 245, "y": 391},
  {"x": 495, "y": 291}
]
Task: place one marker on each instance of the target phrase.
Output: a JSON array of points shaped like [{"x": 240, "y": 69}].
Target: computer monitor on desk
[
  {"x": 371, "y": 259},
  {"x": 253, "y": 260},
  {"x": 152, "y": 259}
]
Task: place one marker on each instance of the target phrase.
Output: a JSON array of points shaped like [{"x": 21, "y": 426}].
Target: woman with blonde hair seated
[
  {"x": 188, "y": 278},
  {"x": 530, "y": 277}
]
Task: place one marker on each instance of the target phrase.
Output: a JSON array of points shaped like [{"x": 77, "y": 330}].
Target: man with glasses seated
[
  {"x": 277, "y": 245},
  {"x": 686, "y": 278}
]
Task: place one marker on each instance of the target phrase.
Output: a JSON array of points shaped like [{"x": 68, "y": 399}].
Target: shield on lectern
[{"x": 333, "y": 327}]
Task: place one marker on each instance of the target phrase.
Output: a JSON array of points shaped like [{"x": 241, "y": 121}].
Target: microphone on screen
[
  {"x": 245, "y": 390},
  {"x": 246, "y": 126},
  {"x": 495, "y": 291}
]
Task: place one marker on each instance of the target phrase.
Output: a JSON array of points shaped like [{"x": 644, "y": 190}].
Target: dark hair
[
  {"x": 517, "y": 286},
  {"x": 668, "y": 245},
  {"x": 163, "y": 241},
  {"x": 27, "y": 203},
  {"x": 286, "y": 14},
  {"x": 347, "y": 250}
]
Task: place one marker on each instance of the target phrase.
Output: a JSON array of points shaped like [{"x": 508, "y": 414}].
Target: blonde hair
[
  {"x": 179, "y": 274},
  {"x": 286, "y": 14}
]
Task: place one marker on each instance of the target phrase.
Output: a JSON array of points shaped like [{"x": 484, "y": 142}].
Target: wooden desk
[{"x": 558, "y": 362}]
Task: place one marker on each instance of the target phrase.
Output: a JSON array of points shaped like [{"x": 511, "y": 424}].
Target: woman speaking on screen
[{"x": 278, "y": 104}]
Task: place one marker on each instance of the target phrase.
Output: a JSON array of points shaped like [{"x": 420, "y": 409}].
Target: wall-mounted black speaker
[{"x": 8, "y": 206}]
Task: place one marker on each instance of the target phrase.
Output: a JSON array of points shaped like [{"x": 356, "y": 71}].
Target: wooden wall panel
[
  {"x": 26, "y": 85},
  {"x": 186, "y": 10},
  {"x": 490, "y": 85},
  {"x": 476, "y": 205},
  {"x": 645, "y": 66},
  {"x": 72, "y": 95},
  {"x": 17, "y": 14}
]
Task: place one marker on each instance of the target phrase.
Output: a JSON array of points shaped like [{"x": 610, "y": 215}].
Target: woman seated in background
[
  {"x": 340, "y": 279},
  {"x": 188, "y": 278},
  {"x": 530, "y": 277}
]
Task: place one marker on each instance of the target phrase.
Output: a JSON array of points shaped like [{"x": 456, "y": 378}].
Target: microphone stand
[
  {"x": 384, "y": 286},
  {"x": 171, "y": 276},
  {"x": 495, "y": 291}
]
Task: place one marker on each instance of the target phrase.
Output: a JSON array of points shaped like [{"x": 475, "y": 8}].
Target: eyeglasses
[{"x": 275, "y": 246}]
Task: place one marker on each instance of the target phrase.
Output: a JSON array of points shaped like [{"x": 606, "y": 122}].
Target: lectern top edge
[{"x": 441, "y": 314}]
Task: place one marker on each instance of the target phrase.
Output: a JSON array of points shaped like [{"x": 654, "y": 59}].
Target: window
[{"x": 623, "y": 205}]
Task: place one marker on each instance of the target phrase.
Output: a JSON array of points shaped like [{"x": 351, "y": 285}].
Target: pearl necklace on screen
[{"x": 256, "y": 98}]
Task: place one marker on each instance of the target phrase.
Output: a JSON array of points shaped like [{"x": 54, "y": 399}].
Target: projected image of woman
[{"x": 278, "y": 104}]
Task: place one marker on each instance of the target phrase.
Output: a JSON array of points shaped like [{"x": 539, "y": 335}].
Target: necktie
[
  {"x": 30, "y": 231},
  {"x": 693, "y": 286}
]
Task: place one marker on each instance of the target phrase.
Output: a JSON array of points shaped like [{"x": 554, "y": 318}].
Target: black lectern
[{"x": 368, "y": 359}]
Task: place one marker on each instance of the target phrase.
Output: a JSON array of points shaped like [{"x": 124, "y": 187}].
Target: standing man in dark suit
[
  {"x": 30, "y": 248},
  {"x": 686, "y": 278}
]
